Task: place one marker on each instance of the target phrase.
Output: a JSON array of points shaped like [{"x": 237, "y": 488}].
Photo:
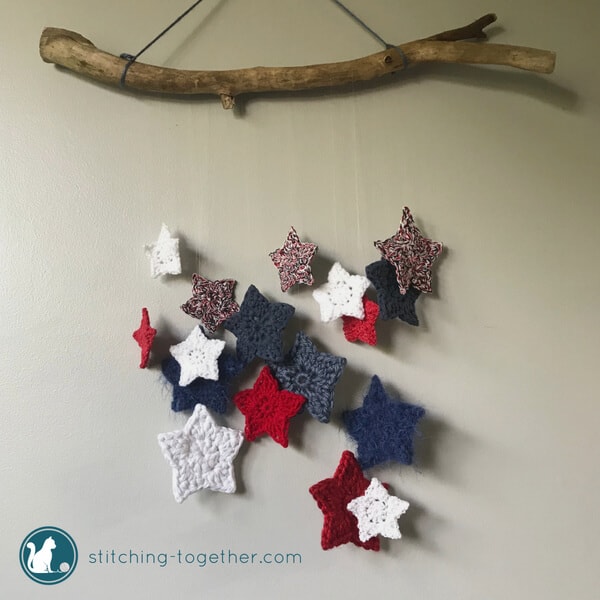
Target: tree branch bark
[{"x": 76, "y": 53}]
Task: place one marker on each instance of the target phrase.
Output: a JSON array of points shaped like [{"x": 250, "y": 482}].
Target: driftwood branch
[{"x": 76, "y": 53}]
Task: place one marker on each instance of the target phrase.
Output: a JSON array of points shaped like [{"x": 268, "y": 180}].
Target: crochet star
[
  {"x": 341, "y": 295},
  {"x": 411, "y": 254},
  {"x": 340, "y": 526},
  {"x": 164, "y": 254},
  {"x": 258, "y": 327},
  {"x": 144, "y": 336},
  {"x": 312, "y": 374},
  {"x": 201, "y": 455},
  {"x": 383, "y": 428},
  {"x": 362, "y": 330},
  {"x": 391, "y": 302},
  {"x": 211, "y": 302},
  {"x": 293, "y": 261},
  {"x": 213, "y": 394},
  {"x": 197, "y": 356},
  {"x": 267, "y": 409},
  {"x": 377, "y": 512}
]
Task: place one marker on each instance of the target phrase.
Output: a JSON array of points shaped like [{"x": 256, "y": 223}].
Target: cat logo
[{"x": 48, "y": 555}]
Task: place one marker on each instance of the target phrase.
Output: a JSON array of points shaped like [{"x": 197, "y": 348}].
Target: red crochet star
[
  {"x": 267, "y": 409},
  {"x": 293, "y": 261},
  {"x": 362, "y": 330},
  {"x": 144, "y": 336},
  {"x": 333, "y": 495}
]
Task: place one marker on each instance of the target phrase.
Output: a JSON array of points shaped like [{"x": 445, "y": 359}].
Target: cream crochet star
[
  {"x": 197, "y": 356},
  {"x": 164, "y": 254},
  {"x": 341, "y": 295},
  {"x": 377, "y": 512},
  {"x": 201, "y": 455}
]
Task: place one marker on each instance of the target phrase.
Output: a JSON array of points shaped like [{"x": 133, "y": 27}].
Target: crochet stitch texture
[
  {"x": 144, "y": 336},
  {"x": 293, "y": 261},
  {"x": 383, "y": 428},
  {"x": 258, "y": 326},
  {"x": 201, "y": 455},
  {"x": 164, "y": 254},
  {"x": 362, "y": 330},
  {"x": 312, "y": 374},
  {"x": 333, "y": 495}
]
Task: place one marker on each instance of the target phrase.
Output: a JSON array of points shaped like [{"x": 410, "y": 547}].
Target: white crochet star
[
  {"x": 164, "y": 254},
  {"x": 197, "y": 356},
  {"x": 377, "y": 512},
  {"x": 341, "y": 295},
  {"x": 201, "y": 455}
]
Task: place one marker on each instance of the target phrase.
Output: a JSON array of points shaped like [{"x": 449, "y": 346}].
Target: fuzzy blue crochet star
[
  {"x": 213, "y": 394},
  {"x": 312, "y": 374},
  {"x": 258, "y": 327},
  {"x": 391, "y": 302},
  {"x": 383, "y": 428}
]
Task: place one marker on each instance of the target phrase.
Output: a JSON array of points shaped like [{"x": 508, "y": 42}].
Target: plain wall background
[{"x": 500, "y": 165}]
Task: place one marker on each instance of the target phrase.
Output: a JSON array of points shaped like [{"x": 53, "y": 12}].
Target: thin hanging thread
[
  {"x": 131, "y": 58},
  {"x": 388, "y": 46}
]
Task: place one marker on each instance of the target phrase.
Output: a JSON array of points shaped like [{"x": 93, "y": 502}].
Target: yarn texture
[
  {"x": 362, "y": 330},
  {"x": 267, "y": 409},
  {"x": 312, "y": 374},
  {"x": 197, "y": 356},
  {"x": 201, "y": 455},
  {"x": 411, "y": 254},
  {"x": 392, "y": 304},
  {"x": 383, "y": 428},
  {"x": 164, "y": 254},
  {"x": 341, "y": 295},
  {"x": 333, "y": 495},
  {"x": 258, "y": 326},
  {"x": 144, "y": 336},
  {"x": 377, "y": 512},
  {"x": 293, "y": 261},
  {"x": 211, "y": 302}
]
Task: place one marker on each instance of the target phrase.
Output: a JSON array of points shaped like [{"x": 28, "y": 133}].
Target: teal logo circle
[{"x": 48, "y": 555}]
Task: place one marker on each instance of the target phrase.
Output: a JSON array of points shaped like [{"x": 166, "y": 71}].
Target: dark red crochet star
[
  {"x": 267, "y": 408},
  {"x": 144, "y": 336},
  {"x": 362, "y": 330},
  {"x": 333, "y": 495}
]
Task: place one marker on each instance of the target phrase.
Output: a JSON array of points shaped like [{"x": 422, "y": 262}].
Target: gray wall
[{"x": 501, "y": 166}]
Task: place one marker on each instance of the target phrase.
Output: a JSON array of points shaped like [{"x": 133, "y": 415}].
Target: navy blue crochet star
[
  {"x": 258, "y": 327},
  {"x": 383, "y": 428},
  {"x": 213, "y": 394},
  {"x": 391, "y": 302},
  {"x": 312, "y": 374}
]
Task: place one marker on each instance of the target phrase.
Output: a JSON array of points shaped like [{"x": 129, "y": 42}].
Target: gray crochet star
[
  {"x": 312, "y": 374},
  {"x": 258, "y": 327}
]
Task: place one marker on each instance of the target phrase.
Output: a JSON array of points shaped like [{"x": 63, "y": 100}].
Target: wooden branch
[{"x": 76, "y": 53}]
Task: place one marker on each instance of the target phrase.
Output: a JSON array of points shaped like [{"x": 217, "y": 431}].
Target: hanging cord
[
  {"x": 131, "y": 58},
  {"x": 358, "y": 20}
]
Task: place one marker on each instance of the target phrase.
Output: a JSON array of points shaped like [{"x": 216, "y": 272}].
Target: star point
[
  {"x": 293, "y": 261},
  {"x": 164, "y": 254},
  {"x": 144, "y": 336}
]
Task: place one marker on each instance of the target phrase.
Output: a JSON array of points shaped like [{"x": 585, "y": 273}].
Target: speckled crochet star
[
  {"x": 258, "y": 326},
  {"x": 383, "y": 428},
  {"x": 164, "y": 254},
  {"x": 201, "y": 455},
  {"x": 213, "y": 394},
  {"x": 391, "y": 302},
  {"x": 363, "y": 330},
  {"x": 340, "y": 526},
  {"x": 211, "y": 302},
  {"x": 267, "y": 408},
  {"x": 341, "y": 295},
  {"x": 312, "y": 374},
  {"x": 144, "y": 336},
  {"x": 197, "y": 356},
  {"x": 378, "y": 512},
  {"x": 293, "y": 261},
  {"x": 411, "y": 254}
]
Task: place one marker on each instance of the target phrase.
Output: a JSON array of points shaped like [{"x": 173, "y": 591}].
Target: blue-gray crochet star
[
  {"x": 213, "y": 394},
  {"x": 258, "y": 327},
  {"x": 391, "y": 302},
  {"x": 312, "y": 374},
  {"x": 383, "y": 428}
]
